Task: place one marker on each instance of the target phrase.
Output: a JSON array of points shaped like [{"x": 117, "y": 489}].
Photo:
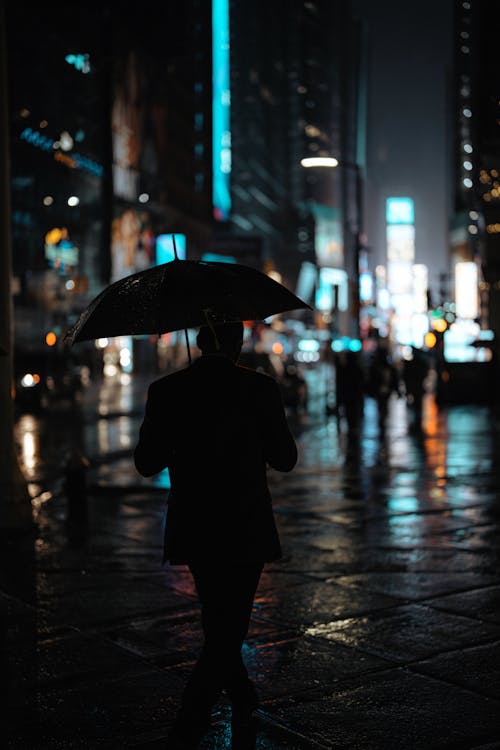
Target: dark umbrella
[{"x": 179, "y": 295}]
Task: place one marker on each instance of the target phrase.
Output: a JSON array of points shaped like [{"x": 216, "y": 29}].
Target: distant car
[
  {"x": 42, "y": 378},
  {"x": 292, "y": 383},
  {"x": 260, "y": 361},
  {"x": 294, "y": 389},
  {"x": 466, "y": 383}
]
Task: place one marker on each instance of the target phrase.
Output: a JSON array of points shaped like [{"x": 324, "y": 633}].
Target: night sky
[{"x": 409, "y": 130}]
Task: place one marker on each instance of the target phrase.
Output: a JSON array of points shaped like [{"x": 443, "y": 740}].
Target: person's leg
[
  {"x": 418, "y": 404},
  {"x": 243, "y": 582},
  {"x": 204, "y": 684},
  {"x": 226, "y": 592},
  {"x": 240, "y": 689}
]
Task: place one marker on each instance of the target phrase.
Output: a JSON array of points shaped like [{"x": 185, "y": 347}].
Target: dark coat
[{"x": 217, "y": 427}]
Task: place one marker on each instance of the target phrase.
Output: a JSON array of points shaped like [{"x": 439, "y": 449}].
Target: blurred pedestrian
[
  {"x": 218, "y": 427},
  {"x": 415, "y": 372},
  {"x": 350, "y": 391},
  {"x": 294, "y": 389},
  {"x": 383, "y": 381}
]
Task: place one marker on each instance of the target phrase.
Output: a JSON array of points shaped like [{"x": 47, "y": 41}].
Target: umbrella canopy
[{"x": 182, "y": 294}]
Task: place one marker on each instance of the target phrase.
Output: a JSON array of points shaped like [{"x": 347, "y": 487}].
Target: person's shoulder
[
  {"x": 168, "y": 380},
  {"x": 251, "y": 372},
  {"x": 257, "y": 381}
]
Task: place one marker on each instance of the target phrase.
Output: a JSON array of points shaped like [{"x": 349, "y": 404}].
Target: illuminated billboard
[
  {"x": 328, "y": 243},
  {"x": 333, "y": 290},
  {"x": 60, "y": 251},
  {"x": 420, "y": 287},
  {"x": 128, "y": 131},
  {"x": 401, "y": 242},
  {"x": 399, "y": 211},
  {"x": 400, "y": 234},
  {"x": 221, "y": 110},
  {"x": 466, "y": 295},
  {"x": 306, "y": 282},
  {"x": 132, "y": 243}
]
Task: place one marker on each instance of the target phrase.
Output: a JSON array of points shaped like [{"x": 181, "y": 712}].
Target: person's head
[{"x": 221, "y": 338}]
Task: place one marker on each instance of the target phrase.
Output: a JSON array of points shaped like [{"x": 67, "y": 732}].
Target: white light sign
[
  {"x": 466, "y": 290},
  {"x": 401, "y": 242},
  {"x": 333, "y": 290}
]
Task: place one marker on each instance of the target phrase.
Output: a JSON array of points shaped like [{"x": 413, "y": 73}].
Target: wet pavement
[{"x": 380, "y": 628}]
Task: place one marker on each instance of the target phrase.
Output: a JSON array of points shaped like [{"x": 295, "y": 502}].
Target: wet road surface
[{"x": 380, "y": 628}]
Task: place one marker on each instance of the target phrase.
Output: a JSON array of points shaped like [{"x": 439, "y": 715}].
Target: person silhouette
[
  {"x": 350, "y": 391},
  {"x": 415, "y": 372},
  {"x": 217, "y": 426},
  {"x": 383, "y": 380}
]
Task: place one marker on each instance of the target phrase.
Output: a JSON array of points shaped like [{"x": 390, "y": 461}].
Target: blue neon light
[
  {"x": 80, "y": 62},
  {"x": 399, "y": 211},
  {"x": 218, "y": 258},
  {"x": 75, "y": 160},
  {"x": 221, "y": 111},
  {"x": 165, "y": 248}
]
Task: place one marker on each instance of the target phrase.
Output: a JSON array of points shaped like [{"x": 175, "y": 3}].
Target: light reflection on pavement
[
  {"x": 105, "y": 428},
  {"x": 390, "y": 564}
]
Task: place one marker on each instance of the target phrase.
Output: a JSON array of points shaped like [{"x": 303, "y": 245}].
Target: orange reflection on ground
[{"x": 435, "y": 444}]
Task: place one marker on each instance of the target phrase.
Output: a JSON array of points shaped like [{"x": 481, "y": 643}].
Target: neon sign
[
  {"x": 80, "y": 62},
  {"x": 400, "y": 211},
  {"x": 221, "y": 110},
  {"x": 74, "y": 161}
]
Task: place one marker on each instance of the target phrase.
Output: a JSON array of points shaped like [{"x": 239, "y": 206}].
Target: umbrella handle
[
  {"x": 187, "y": 344},
  {"x": 206, "y": 312},
  {"x": 185, "y": 330}
]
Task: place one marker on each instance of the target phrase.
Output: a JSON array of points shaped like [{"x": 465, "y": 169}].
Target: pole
[
  {"x": 357, "y": 247},
  {"x": 185, "y": 330},
  {"x": 15, "y": 502}
]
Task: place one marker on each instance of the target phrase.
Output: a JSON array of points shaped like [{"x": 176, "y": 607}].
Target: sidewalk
[{"x": 380, "y": 628}]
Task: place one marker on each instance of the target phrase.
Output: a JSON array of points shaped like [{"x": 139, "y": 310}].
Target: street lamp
[
  {"x": 330, "y": 162},
  {"x": 319, "y": 161}
]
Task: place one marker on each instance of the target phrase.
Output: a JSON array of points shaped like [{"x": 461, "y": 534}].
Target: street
[{"x": 379, "y": 628}]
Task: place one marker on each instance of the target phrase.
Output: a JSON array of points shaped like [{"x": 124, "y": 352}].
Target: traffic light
[{"x": 430, "y": 340}]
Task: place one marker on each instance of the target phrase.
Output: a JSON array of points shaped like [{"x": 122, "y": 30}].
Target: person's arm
[
  {"x": 150, "y": 454},
  {"x": 279, "y": 444}
]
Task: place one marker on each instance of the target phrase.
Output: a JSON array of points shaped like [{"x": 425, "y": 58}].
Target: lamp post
[
  {"x": 330, "y": 162},
  {"x": 15, "y": 501}
]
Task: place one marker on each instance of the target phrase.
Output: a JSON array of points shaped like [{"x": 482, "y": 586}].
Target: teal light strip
[{"x": 221, "y": 110}]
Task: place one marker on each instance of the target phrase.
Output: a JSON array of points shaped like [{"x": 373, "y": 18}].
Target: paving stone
[
  {"x": 288, "y": 665},
  {"x": 83, "y": 659},
  {"x": 392, "y": 710},
  {"x": 476, "y": 668},
  {"x": 482, "y": 603},
  {"x": 313, "y": 601},
  {"x": 105, "y": 714},
  {"x": 416, "y": 586},
  {"x": 406, "y": 633},
  {"x": 89, "y": 607}
]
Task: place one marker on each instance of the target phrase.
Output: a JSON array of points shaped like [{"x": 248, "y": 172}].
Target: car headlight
[{"x": 29, "y": 380}]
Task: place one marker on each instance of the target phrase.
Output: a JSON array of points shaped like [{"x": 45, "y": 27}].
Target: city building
[
  {"x": 189, "y": 119},
  {"x": 475, "y": 235},
  {"x": 296, "y": 92},
  {"x": 469, "y": 290},
  {"x": 409, "y": 60}
]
